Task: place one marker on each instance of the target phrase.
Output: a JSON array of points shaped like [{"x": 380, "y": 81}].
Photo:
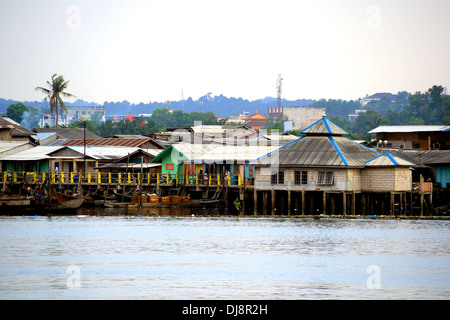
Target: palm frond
[{"x": 61, "y": 103}]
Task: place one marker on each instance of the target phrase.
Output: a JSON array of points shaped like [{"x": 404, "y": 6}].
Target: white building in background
[
  {"x": 301, "y": 117},
  {"x": 79, "y": 113},
  {"x": 48, "y": 119}
]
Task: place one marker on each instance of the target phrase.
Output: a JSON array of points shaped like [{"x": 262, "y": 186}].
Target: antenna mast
[{"x": 279, "y": 85}]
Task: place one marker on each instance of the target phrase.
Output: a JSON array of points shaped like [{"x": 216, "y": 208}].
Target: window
[
  {"x": 274, "y": 178},
  {"x": 301, "y": 177},
  {"x": 169, "y": 166},
  {"x": 281, "y": 177},
  {"x": 326, "y": 178},
  {"x": 277, "y": 178}
]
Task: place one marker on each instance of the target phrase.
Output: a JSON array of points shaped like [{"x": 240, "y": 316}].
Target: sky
[{"x": 147, "y": 51}]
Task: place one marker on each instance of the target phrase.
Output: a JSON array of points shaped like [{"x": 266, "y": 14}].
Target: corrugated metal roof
[
  {"x": 17, "y": 130},
  {"x": 33, "y": 154},
  {"x": 323, "y": 127},
  {"x": 320, "y": 151},
  {"x": 322, "y": 146},
  {"x": 387, "y": 159},
  {"x": 104, "y": 153},
  {"x": 8, "y": 145},
  {"x": 383, "y": 129},
  {"x": 110, "y": 142},
  {"x": 68, "y": 133},
  {"x": 424, "y": 157},
  {"x": 242, "y": 154}
]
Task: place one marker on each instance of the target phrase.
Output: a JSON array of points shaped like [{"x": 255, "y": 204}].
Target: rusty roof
[{"x": 107, "y": 142}]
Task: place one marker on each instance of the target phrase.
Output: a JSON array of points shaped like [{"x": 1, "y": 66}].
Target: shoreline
[{"x": 313, "y": 217}]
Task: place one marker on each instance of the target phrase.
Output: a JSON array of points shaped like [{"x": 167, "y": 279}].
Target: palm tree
[{"x": 54, "y": 92}]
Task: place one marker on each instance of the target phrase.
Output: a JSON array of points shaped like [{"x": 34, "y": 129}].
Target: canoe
[{"x": 206, "y": 203}]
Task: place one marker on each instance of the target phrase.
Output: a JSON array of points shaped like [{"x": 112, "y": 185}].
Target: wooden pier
[{"x": 238, "y": 196}]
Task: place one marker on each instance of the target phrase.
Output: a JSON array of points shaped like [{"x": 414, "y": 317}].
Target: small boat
[
  {"x": 63, "y": 203},
  {"x": 15, "y": 205},
  {"x": 102, "y": 196},
  {"x": 205, "y": 203},
  {"x": 14, "y": 202},
  {"x": 122, "y": 197},
  {"x": 200, "y": 203}
]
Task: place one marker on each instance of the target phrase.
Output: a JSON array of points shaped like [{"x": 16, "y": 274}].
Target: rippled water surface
[{"x": 131, "y": 257}]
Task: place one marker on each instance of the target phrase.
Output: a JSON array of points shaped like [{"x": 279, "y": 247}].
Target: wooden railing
[{"x": 123, "y": 178}]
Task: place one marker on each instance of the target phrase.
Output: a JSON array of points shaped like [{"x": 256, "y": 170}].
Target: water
[{"x": 145, "y": 257}]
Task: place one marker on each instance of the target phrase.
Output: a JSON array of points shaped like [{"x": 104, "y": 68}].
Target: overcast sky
[{"x": 144, "y": 51}]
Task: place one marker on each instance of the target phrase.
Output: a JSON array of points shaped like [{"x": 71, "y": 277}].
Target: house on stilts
[{"x": 324, "y": 172}]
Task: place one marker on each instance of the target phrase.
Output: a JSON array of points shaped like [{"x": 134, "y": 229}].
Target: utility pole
[{"x": 84, "y": 168}]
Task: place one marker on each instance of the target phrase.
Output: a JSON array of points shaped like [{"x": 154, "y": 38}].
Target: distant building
[
  {"x": 49, "y": 120},
  {"x": 378, "y": 96},
  {"x": 414, "y": 137},
  {"x": 301, "y": 117},
  {"x": 256, "y": 121},
  {"x": 75, "y": 113},
  {"x": 237, "y": 118},
  {"x": 353, "y": 116},
  {"x": 129, "y": 117}
]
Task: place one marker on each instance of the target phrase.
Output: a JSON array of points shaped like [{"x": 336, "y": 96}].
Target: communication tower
[{"x": 279, "y": 85}]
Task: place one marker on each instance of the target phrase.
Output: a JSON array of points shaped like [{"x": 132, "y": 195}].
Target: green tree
[
  {"x": 55, "y": 92},
  {"x": 369, "y": 120},
  {"x": 15, "y": 111}
]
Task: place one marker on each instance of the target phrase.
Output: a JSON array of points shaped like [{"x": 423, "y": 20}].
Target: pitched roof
[
  {"x": 425, "y": 128},
  {"x": 424, "y": 157},
  {"x": 387, "y": 159},
  {"x": 68, "y": 133},
  {"x": 323, "y": 127},
  {"x": 107, "y": 142},
  {"x": 32, "y": 154},
  {"x": 322, "y": 146},
  {"x": 17, "y": 130}
]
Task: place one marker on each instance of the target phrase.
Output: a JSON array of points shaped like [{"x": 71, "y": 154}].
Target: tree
[
  {"x": 15, "y": 111},
  {"x": 56, "y": 89},
  {"x": 369, "y": 120}
]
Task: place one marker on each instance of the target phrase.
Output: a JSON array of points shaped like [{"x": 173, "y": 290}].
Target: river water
[{"x": 192, "y": 257}]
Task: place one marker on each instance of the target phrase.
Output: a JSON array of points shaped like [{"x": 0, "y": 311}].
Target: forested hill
[{"x": 219, "y": 105}]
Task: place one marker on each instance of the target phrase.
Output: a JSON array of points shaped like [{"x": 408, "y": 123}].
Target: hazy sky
[{"x": 144, "y": 51}]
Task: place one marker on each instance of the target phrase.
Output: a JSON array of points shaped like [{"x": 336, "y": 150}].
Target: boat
[
  {"x": 99, "y": 195},
  {"x": 13, "y": 205},
  {"x": 63, "y": 203},
  {"x": 122, "y": 197},
  {"x": 14, "y": 202},
  {"x": 196, "y": 203}
]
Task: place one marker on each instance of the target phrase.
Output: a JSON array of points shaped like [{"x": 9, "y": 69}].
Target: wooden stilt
[
  {"x": 363, "y": 204},
  {"x": 344, "y": 203},
  {"x": 324, "y": 200},
  {"x": 289, "y": 202},
  {"x": 353, "y": 203},
  {"x": 421, "y": 204},
  {"x": 255, "y": 202},
  {"x": 273, "y": 202},
  {"x": 392, "y": 203},
  {"x": 264, "y": 208},
  {"x": 303, "y": 202}
]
